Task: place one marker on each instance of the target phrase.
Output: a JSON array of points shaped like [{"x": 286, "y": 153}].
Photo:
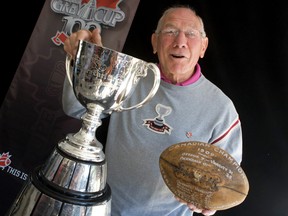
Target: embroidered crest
[{"x": 158, "y": 124}]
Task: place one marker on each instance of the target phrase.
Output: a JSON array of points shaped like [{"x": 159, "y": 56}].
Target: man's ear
[
  {"x": 204, "y": 45},
  {"x": 154, "y": 42}
]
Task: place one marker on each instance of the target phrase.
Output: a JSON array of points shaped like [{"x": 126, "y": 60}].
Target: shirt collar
[{"x": 195, "y": 76}]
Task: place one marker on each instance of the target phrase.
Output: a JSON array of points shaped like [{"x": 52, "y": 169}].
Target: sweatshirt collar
[{"x": 195, "y": 76}]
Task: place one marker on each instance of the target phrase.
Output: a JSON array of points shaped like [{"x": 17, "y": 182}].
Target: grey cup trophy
[{"x": 73, "y": 179}]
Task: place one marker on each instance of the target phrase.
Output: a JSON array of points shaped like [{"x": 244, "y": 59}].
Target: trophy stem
[
  {"x": 83, "y": 144},
  {"x": 91, "y": 121}
]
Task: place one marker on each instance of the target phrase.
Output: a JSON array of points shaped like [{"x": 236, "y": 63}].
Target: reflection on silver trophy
[{"x": 73, "y": 179}]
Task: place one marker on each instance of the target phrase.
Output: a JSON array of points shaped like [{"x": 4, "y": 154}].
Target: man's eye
[
  {"x": 171, "y": 32},
  {"x": 190, "y": 34}
]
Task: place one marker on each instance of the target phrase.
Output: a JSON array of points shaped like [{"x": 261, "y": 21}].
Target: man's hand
[
  {"x": 206, "y": 212},
  {"x": 72, "y": 42}
]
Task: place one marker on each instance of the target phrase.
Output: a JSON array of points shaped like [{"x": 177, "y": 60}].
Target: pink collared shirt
[{"x": 196, "y": 75}]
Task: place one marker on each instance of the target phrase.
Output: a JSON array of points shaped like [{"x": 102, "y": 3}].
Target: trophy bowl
[{"x": 107, "y": 77}]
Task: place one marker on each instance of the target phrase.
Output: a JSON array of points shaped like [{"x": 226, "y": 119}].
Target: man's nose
[{"x": 180, "y": 40}]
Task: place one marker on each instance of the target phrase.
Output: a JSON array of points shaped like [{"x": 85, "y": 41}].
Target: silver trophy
[{"x": 73, "y": 179}]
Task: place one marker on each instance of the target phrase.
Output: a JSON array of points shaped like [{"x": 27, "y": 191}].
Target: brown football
[{"x": 204, "y": 175}]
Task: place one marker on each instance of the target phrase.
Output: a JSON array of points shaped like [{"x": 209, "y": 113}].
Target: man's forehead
[
  {"x": 188, "y": 21},
  {"x": 181, "y": 12},
  {"x": 181, "y": 15}
]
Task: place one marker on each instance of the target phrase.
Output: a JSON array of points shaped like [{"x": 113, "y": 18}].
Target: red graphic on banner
[
  {"x": 59, "y": 38},
  {"x": 107, "y": 3},
  {"x": 104, "y": 3},
  {"x": 4, "y": 160}
]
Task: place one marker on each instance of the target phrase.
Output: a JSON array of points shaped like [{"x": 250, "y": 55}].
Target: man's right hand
[{"x": 72, "y": 42}]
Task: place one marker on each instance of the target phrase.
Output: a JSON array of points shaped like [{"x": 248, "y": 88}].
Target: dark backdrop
[{"x": 247, "y": 58}]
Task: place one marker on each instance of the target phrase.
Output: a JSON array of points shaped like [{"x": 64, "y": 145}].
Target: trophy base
[
  {"x": 65, "y": 186},
  {"x": 41, "y": 198}
]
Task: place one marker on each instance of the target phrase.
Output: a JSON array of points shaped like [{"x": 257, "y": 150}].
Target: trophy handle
[
  {"x": 153, "y": 90},
  {"x": 68, "y": 68}
]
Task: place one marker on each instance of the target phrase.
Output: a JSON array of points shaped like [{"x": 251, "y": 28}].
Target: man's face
[{"x": 179, "y": 44}]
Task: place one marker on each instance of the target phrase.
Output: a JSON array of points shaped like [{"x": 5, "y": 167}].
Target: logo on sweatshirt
[{"x": 158, "y": 124}]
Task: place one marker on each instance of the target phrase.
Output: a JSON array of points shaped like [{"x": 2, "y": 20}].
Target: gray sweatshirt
[{"x": 196, "y": 112}]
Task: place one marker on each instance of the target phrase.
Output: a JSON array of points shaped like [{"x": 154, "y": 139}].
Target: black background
[{"x": 247, "y": 58}]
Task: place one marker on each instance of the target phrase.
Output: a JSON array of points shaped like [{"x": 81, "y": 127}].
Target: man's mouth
[{"x": 177, "y": 56}]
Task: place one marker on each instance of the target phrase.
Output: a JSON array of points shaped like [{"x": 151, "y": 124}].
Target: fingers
[
  {"x": 72, "y": 42},
  {"x": 194, "y": 208},
  {"x": 206, "y": 212},
  {"x": 96, "y": 37}
]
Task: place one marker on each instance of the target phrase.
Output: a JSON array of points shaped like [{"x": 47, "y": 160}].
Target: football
[{"x": 204, "y": 175}]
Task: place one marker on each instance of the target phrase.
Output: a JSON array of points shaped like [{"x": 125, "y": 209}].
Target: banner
[{"x": 31, "y": 117}]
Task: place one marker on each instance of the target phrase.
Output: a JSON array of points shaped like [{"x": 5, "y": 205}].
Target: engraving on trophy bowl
[{"x": 106, "y": 77}]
